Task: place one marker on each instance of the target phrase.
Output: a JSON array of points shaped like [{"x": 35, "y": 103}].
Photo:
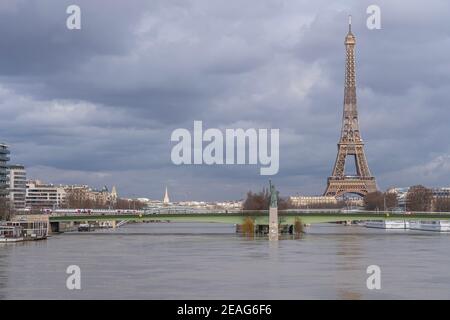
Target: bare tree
[
  {"x": 419, "y": 198},
  {"x": 380, "y": 201},
  {"x": 257, "y": 201},
  {"x": 126, "y": 204},
  {"x": 442, "y": 204},
  {"x": 260, "y": 201},
  {"x": 5, "y": 209},
  {"x": 391, "y": 200},
  {"x": 374, "y": 201}
]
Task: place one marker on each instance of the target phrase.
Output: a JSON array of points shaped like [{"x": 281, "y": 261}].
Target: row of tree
[
  {"x": 260, "y": 201},
  {"x": 120, "y": 204},
  {"x": 442, "y": 205},
  {"x": 418, "y": 198},
  {"x": 73, "y": 201}
]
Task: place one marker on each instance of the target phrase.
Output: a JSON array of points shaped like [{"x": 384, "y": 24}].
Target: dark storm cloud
[
  {"x": 36, "y": 42},
  {"x": 98, "y": 105}
]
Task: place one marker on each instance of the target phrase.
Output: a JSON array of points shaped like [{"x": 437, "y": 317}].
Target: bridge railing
[{"x": 185, "y": 210}]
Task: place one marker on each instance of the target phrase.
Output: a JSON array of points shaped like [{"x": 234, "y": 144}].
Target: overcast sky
[{"x": 97, "y": 106}]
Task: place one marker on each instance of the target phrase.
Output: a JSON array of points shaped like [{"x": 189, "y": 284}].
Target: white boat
[
  {"x": 10, "y": 240},
  {"x": 389, "y": 224},
  {"x": 10, "y": 234},
  {"x": 85, "y": 227},
  {"x": 437, "y": 225},
  {"x": 17, "y": 231}
]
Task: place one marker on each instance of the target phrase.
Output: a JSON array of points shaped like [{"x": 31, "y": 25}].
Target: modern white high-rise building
[
  {"x": 4, "y": 152},
  {"x": 44, "y": 196},
  {"x": 17, "y": 186}
]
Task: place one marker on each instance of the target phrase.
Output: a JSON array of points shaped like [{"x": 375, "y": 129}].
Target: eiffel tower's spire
[
  {"x": 350, "y": 128},
  {"x": 350, "y": 23}
]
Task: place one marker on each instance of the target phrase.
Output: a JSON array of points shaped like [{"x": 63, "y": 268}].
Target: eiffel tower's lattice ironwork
[{"x": 350, "y": 143}]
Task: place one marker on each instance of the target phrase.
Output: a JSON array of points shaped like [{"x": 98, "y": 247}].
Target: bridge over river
[{"x": 286, "y": 217}]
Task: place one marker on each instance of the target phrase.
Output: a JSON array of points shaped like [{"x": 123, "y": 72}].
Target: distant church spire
[
  {"x": 166, "y": 197},
  {"x": 113, "y": 196},
  {"x": 114, "y": 192}
]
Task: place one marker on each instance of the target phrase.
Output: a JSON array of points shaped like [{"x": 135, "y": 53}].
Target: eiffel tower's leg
[
  {"x": 362, "y": 168},
  {"x": 339, "y": 166}
]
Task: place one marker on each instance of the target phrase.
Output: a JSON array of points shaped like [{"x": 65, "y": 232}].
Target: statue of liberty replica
[
  {"x": 273, "y": 212},
  {"x": 273, "y": 196}
]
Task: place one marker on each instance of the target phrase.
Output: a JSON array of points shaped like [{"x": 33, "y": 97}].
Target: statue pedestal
[{"x": 273, "y": 223}]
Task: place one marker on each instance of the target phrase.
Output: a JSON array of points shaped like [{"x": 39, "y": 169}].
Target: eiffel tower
[{"x": 350, "y": 143}]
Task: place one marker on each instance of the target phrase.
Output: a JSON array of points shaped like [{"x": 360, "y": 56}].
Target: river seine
[{"x": 211, "y": 261}]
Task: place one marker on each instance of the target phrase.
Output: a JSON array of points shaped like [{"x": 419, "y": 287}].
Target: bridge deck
[{"x": 258, "y": 217}]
